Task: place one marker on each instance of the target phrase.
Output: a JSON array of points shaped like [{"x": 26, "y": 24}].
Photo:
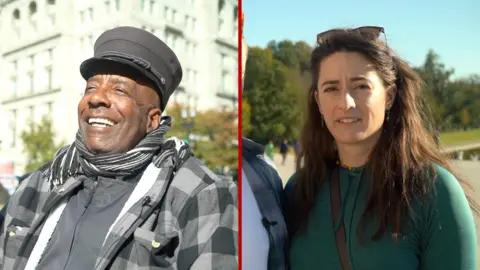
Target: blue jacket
[{"x": 268, "y": 191}]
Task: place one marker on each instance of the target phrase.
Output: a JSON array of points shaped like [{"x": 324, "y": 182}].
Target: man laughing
[{"x": 121, "y": 196}]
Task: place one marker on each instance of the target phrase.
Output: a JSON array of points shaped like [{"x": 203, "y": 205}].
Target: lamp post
[{"x": 188, "y": 121}]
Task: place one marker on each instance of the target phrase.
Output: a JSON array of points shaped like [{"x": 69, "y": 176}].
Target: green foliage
[
  {"x": 277, "y": 77},
  {"x": 215, "y": 135},
  {"x": 270, "y": 89},
  {"x": 38, "y": 142},
  {"x": 460, "y": 137},
  {"x": 246, "y": 115},
  {"x": 454, "y": 103}
]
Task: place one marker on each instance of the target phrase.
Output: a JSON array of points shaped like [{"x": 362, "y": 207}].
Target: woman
[{"x": 372, "y": 189}]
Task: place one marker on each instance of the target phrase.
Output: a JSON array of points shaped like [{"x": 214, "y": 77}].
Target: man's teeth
[
  {"x": 349, "y": 120},
  {"x": 100, "y": 122}
]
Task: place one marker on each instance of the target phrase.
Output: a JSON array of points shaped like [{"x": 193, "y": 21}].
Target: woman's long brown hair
[{"x": 399, "y": 162}]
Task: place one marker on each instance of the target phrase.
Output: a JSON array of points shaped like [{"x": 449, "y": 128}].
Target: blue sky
[{"x": 450, "y": 28}]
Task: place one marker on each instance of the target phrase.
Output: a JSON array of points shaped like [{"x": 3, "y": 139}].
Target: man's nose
[{"x": 99, "y": 98}]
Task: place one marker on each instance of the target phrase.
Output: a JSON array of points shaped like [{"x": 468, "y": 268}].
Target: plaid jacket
[
  {"x": 193, "y": 227},
  {"x": 268, "y": 191}
]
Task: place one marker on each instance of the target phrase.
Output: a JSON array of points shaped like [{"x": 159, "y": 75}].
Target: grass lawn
[{"x": 460, "y": 137}]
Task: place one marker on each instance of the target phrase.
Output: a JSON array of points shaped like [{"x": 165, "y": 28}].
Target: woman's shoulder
[
  {"x": 446, "y": 185},
  {"x": 448, "y": 200},
  {"x": 448, "y": 225}
]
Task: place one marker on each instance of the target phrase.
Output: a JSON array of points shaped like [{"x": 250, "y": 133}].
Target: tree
[
  {"x": 272, "y": 95},
  {"x": 220, "y": 126},
  {"x": 277, "y": 77},
  {"x": 293, "y": 55},
  {"x": 246, "y": 115},
  {"x": 465, "y": 117},
  {"x": 39, "y": 144},
  {"x": 214, "y": 135},
  {"x": 436, "y": 78}
]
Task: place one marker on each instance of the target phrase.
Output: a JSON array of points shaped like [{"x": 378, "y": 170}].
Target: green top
[
  {"x": 442, "y": 235},
  {"x": 269, "y": 150}
]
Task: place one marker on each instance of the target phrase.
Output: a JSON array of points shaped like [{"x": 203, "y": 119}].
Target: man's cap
[{"x": 141, "y": 50}]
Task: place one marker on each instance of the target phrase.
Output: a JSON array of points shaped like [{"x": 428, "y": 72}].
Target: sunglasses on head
[{"x": 368, "y": 32}]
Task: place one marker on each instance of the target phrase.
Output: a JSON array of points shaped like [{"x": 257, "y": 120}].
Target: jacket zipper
[{"x": 80, "y": 221}]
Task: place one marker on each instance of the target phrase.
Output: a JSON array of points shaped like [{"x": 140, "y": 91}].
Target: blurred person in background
[
  {"x": 121, "y": 196},
  {"x": 264, "y": 232},
  {"x": 284, "y": 150},
  {"x": 372, "y": 189},
  {"x": 269, "y": 149}
]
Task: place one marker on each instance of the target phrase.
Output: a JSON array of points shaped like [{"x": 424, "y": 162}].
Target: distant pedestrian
[
  {"x": 284, "y": 150},
  {"x": 296, "y": 148},
  {"x": 269, "y": 148}
]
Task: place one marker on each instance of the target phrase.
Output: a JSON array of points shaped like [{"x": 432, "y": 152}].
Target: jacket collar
[{"x": 250, "y": 147}]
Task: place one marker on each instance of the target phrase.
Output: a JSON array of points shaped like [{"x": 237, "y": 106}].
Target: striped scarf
[{"x": 69, "y": 159}]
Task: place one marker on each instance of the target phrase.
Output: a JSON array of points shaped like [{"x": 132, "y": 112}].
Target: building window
[
  {"x": 221, "y": 25},
  {"x": 50, "y": 55},
  {"x": 194, "y": 77},
  {"x": 117, "y": 5},
  {"x": 14, "y": 86},
  {"x": 188, "y": 47},
  {"x": 51, "y": 12},
  {"x": 50, "y": 107},
  {"x": 108, "y": 6},
  {"x": 13, "y": 128},
  {"x": 194, "y": 21},
  {"x": 31, "y": 112},
  {"x": 152, "y": 7},
  {"x": 235, "y": 14},
  {"x": 187, "y": 75},
  {"x": 16, "y": 23},
  {"x": 31, "y": 82},
  {"x": 174, "y": 16},
  {"x": 221, "y": 6},
  {"x": 31, "y": 60},
  {"x": 82, "y": 17},
  {"x": 174, "y": 42},
  {"x": 90, "y": 14},
  {"x": 223, "y": 61},
  {"x": 226, "y": 82},
  {"x": 32, "y": 9},
  {"x": 51, "y": 19},
  {"x": 90, "y": 40},
  {"x": 169, "y": 14},
  {"x": 16, "y": 15},
  {"x": 49, "y": 77}
]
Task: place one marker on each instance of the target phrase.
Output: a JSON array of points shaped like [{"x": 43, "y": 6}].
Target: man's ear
[{"x": 154, "y": 117}]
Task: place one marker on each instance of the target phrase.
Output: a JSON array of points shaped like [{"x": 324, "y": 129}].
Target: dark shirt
[
  {"x": 283, "y": 148},
  {"x": 83, "y": 226}
]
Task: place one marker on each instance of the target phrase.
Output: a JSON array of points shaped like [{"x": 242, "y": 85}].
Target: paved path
[
  {"x": 468, "y": 169},
  {"x": 461, "y": 147}
]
